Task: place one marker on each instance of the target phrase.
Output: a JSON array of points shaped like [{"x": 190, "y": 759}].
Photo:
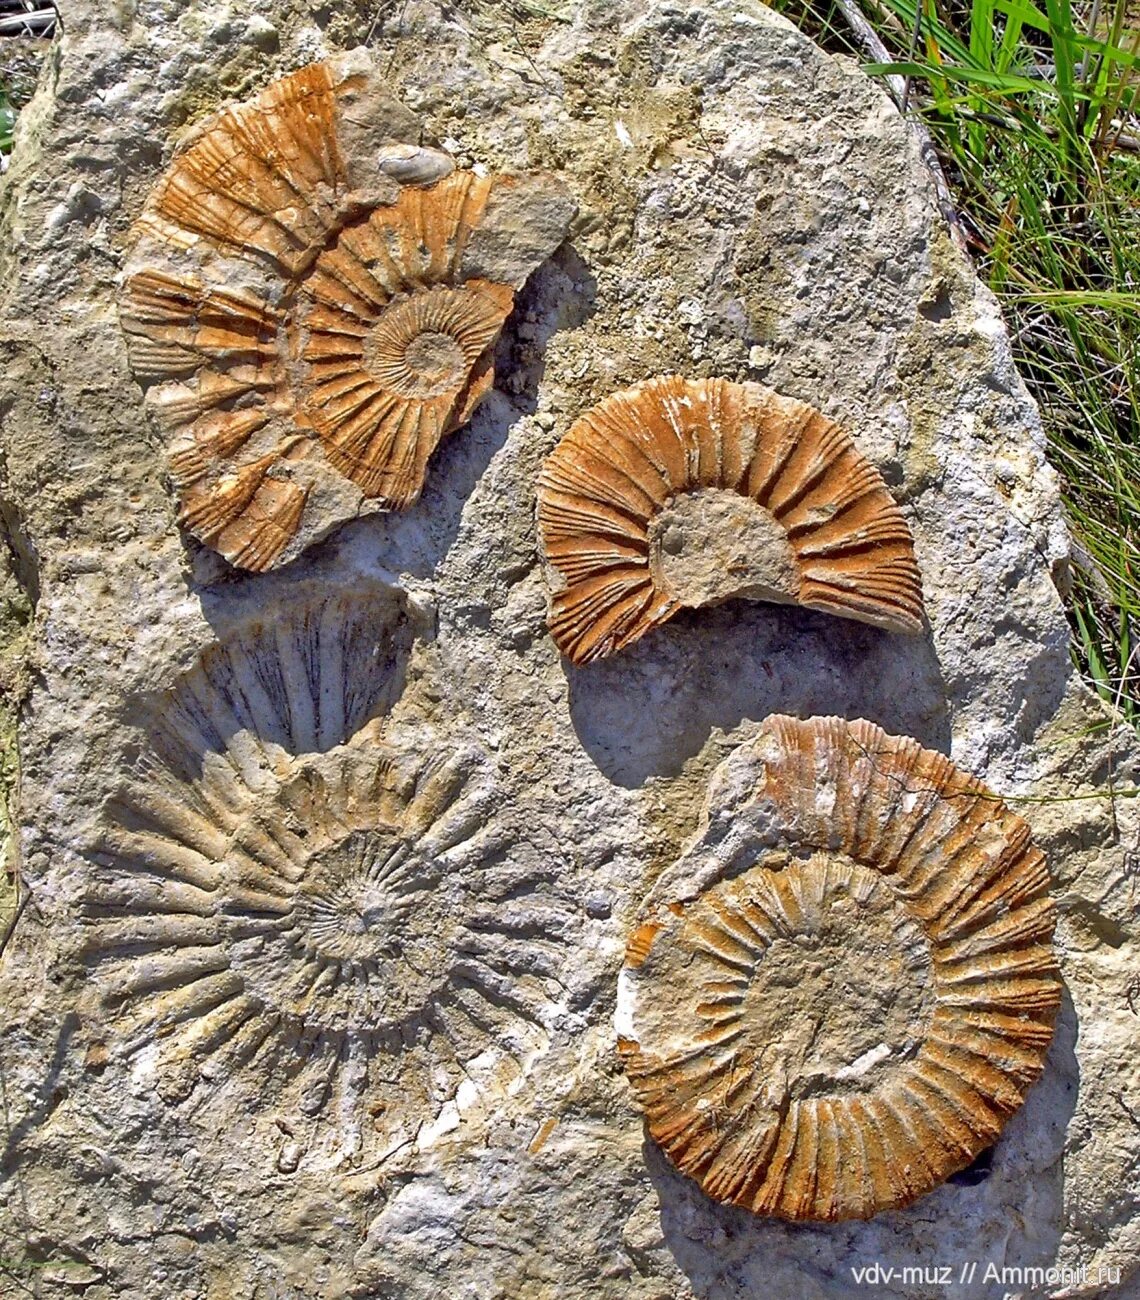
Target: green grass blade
[
  {"x": 1007, "y": 83},
  {"x": 1063, "y": 37},
  {"x": 982, "y": 51}
]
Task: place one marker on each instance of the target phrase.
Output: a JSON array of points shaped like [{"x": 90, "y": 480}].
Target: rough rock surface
[
  {"x": 748, "y": 207},
  {"x": 712, "y": 545}
]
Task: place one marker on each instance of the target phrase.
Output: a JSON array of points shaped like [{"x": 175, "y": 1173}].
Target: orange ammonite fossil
[
  {"x": 682, "y": 493},
  {"x": 312, "y": 302},
  {"x": 846, "y": 985}
]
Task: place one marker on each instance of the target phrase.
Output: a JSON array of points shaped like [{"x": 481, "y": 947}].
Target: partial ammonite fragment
[
  {"x": 846, "y": 985},
  {"x": 312, "y": 303},
  {"x": 681, "y": 493}
]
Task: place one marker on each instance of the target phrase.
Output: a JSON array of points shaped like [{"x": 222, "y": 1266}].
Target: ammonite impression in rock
[
  {"x": 312, "y": 302},
  {"x": 682, "y": 493},
  {"x": 847, "y": 984},
  {"x": 347, "y": 938},
  {"x": 299, "y": 680}
]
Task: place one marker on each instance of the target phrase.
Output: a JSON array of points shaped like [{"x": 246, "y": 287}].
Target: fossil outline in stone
[
  {"x": 683, "y": 493},
  {"x": 829, "y": 841},
  {"x": 310, "y": 292},
  {"x": 280, "y": 849},
  {"x": 303, "y": 680},
  {"x": 331, "y": 938}
]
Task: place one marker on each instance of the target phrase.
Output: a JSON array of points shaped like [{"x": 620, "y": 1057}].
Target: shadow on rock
[
  {"x": 45, "y": 1096},
  {"x": 650, "y": 708}
]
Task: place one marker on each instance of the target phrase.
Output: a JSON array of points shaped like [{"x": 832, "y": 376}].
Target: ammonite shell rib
[
  {"x": 682, "y": 492},
  {"x": 847, "y": 984},
  {"x": 310, "y": 298}
]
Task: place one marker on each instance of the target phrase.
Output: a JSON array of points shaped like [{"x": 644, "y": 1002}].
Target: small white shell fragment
[{"x": 412, "y": 164}]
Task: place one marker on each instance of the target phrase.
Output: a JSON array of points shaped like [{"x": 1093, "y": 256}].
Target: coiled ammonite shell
[
  {"x": 309, "y": 293},
  {"x": 847, "y": 984},
  {"x": 682, "y": 493},
  {"x": 352, "y": 937}
]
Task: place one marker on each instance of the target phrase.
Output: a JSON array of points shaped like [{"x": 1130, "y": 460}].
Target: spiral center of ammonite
[
  {"x": 713, "y": 544},
  {"x": 844, "y": 982},
  {"x": 408, "y": 354},
  {"x": 364, "y": 943},
  {"x": 434, "y": 358},
  {"x": 360, "y": 899}
]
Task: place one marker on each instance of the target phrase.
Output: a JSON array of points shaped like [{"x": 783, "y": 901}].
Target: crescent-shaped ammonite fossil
[
  {"x": 351, "y": 934},
  {"x": 301, "y": 680},
  {"x": 847, "y": 985},
  {"x": 312, "y": 301},
  {"x": 682, "y": 493}
]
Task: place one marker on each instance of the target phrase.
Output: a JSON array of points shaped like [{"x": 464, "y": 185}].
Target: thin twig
[
  {"x": 1090, "y": 30},
  {"x": 381, "y": 8},
  {"x": 1125, "y": 140},
  {"x": 41, "y": 22},
  {"x": 865, "y": 34},
  {"x": 911, "y": 51},
  {"x": 397, "y": 39},
  {"x": 24, "y": 895},
  {"x": 887, "y": 18},
  {"x": 1106, "y": 117},
  {"x": 526, "y": 54}
]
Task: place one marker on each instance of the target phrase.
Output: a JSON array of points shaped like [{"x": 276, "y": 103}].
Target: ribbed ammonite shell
[
  {"x": 307, "y": 292},
  {"x": 302, "y": 680},
  {"x": 846, "y": 985},
  {"x": 682, "y": 493},
  {"x": 351, "y": 937}
]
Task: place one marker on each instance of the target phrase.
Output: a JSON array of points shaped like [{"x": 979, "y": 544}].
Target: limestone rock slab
[{"x": 748, "y": 207}]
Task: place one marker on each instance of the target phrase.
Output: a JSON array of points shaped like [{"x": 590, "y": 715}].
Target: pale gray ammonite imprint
[
  {"x": 846, "y": 985},
  {"x": 347, "y": 939},
  {"x": 312, "y": 301},
  {"x": 301, "y": 679},
  {"x": 681, "y": 493}
]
